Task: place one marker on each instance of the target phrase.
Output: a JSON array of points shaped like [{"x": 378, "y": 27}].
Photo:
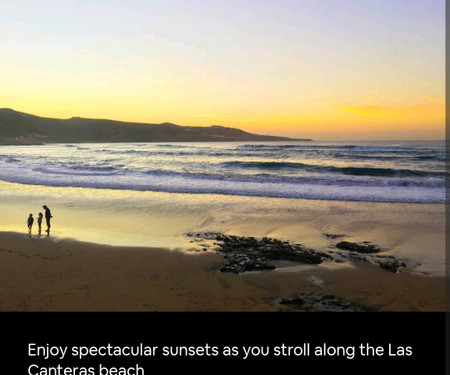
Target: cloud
[
  {"x": 368, "y": 109},
  {"x": 424, "y": 104}
]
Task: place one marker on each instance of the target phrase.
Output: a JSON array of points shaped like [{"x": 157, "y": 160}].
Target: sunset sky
[{"x": 327, "y": 70}]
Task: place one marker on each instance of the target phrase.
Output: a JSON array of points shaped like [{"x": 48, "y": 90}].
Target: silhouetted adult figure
[{"x": 48, "y": 216}]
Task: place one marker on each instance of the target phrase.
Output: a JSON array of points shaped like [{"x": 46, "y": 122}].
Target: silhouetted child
[
  {"x": 39, "y": 221},
  {"x": 30, "y": 223}
]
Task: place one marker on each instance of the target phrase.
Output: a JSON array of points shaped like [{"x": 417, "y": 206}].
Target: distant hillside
[{"x": 22, "y": 128}]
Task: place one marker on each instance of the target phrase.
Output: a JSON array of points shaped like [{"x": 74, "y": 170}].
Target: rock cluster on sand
[
  {"x": 321, "y": 302},
  {"x": 248, "y": 254},
  {"x": 365, "y": 252},
  {"x": 245, "y": 254}
]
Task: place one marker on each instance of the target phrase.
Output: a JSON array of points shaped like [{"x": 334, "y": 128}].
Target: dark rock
[
  {"x": 291, "y": 253},
  {"x": 248, "y": 254},
  {"x": 334, "y": 235},
  {"x": 365, "y": 248},
  {"x": 386, "y": 262},
  {"x": 244, "y": 254},
  {"x": 238, "y": 263},
  {"x": 391, "y": 266},
  {"x": 322, "y": 302},
  {"x": 291, "y": 301}
]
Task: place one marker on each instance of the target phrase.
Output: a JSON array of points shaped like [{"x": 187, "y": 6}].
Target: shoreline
[
  {"x": 57, "y": 274},
  {"x": 159, "y": 219},
  {"x": 112, "y": 250}
]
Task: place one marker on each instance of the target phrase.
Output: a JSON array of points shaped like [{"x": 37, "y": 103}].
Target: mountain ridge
[{"x": 24, "y": 128}]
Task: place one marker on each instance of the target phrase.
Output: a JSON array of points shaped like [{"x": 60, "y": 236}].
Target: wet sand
[
  {"x": 56, "y": 274},
  {"x": 127, "y": 250}
]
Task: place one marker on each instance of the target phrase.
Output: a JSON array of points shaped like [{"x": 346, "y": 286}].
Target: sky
[{"x": 327, "y": 70}]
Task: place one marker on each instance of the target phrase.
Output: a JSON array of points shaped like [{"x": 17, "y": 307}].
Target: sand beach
[
  {"x": 65, "y": 275},
  {"x": 115, "y": 250}
]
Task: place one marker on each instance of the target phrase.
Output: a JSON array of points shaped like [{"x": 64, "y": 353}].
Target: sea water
[
  {"x": 151, "y": 194},
  {"x": 403, "y": 171}
]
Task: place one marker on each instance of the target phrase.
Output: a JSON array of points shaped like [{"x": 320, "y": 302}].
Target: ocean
[{"x": 388, "y": 171}]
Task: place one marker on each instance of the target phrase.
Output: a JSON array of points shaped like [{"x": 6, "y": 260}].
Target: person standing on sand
[
  {"x": 48, "y": 216},
  {"x": 30, "y": 223},
  {"x": 39, "y": 221}
]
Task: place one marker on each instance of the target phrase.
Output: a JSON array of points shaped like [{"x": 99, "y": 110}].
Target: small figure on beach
[
  {"x": 48, "y": 216},
  {"x": 39, "y": 221},
  {"x": 30, "y": 223}
]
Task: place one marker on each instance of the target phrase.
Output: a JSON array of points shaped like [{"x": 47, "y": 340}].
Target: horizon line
[{"x": 226, "y": 126}]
